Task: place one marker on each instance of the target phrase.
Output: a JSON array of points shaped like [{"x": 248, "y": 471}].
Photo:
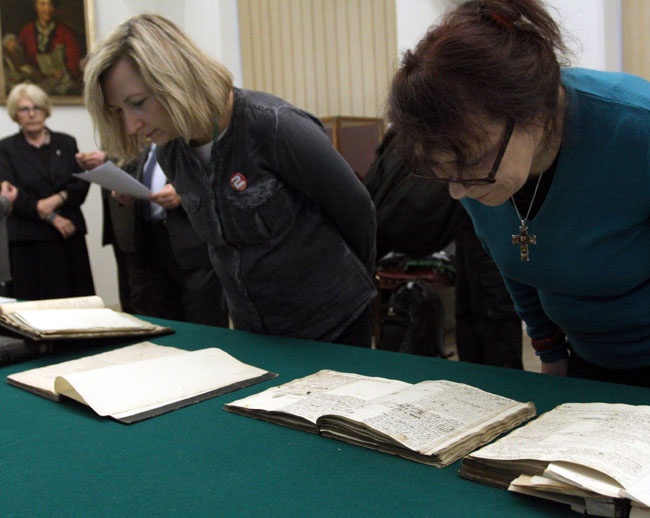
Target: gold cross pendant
[{"x": 523, "y": 240}]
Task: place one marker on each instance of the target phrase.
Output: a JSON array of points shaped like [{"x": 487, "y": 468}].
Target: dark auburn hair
[{"x": 486, "y": 60}]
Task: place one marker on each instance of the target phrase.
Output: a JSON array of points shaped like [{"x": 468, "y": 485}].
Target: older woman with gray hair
[{"x": 47, "y": 243}]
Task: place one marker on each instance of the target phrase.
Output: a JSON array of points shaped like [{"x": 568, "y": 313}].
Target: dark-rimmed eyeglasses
[
  {"x": 505, "y": 140},
  {"x": 30, "y": 109}
]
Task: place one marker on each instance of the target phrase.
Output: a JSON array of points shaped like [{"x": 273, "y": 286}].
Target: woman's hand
[
  {"x": 65, "y": 227},
  {"x": 558, "y": 368},
  {"x": 123, "y": 199},
  {"x": 46, "y": 206},
  {"x": 9, "y": 191},
  {"x": 166, "y": 197},
  {"x": 90, "y": 160}
]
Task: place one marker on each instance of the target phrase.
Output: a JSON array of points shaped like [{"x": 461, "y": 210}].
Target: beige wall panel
[
  {"x": 331, "y": 57},
  {"x": 368, "y": 66},
  {"x": 277, "y": 61},
  {"x": 344, "y": 53},
  {"x": 385, "y": 45},
  {"x": 295, "y": 25},
  {"x": 636, "y": 37},
  {"x": 354, "y": 27},
  {"x": 245, "y": 15},
  {"x": 334, "y": 64},
  {"x": 319, "y": 89}
]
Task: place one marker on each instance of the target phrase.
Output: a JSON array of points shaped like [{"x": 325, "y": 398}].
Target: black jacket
[
  {"x": 129, "y": 229},
  {"x": 414, "y": 216},
  {"x": 20, "y": 164},
  {"x": 289, "y": 227}
]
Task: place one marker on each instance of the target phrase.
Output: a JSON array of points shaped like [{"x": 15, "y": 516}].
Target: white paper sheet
[{"x": 111, "y": 177}]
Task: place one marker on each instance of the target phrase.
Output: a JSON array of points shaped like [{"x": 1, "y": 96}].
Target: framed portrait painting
[{"x": 45, "y": 42}]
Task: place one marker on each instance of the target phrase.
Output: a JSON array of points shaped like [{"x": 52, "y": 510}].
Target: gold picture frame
[{"x": 51, "y": 57}]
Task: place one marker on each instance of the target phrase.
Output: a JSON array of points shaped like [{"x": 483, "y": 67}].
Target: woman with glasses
[
  {"x": 553, "y": 165},
  {"x": 290, "y": 229},
  {"x": 47, "y": 241}
]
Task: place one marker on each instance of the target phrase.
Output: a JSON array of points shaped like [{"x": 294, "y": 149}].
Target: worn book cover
[
  {"x": 434, "y": 422},
  {"x": 14, "y": 349},
  {"x": 73, "y": 318},
  {"x": 594, "y": 456},
  {"x": 142, "y": 380}
]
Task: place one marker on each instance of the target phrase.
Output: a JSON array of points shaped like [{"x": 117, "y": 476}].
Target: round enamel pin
[{"x": 238, "y": 181}]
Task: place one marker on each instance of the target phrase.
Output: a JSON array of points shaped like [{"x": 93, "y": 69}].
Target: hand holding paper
[{"x": 111, "y": 177}]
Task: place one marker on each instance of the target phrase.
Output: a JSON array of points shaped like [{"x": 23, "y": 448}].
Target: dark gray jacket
[{"x": 291, "y": 229}]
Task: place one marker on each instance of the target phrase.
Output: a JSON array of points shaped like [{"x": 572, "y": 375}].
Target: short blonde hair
[
  {"x": 193, "y": 87},
  {"x": 32, "y": 92}
]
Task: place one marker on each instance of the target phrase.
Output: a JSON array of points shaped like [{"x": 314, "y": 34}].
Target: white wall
[
  {"x": 591, "y": 27},
  {"x": 213, "y": 24}
]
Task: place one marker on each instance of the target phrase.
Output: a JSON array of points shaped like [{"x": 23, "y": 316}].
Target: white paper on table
[{"x": 111, "y": 177}]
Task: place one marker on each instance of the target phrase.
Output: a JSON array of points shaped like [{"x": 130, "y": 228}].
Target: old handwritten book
[
  {"x": 14, "y": 349},
  {"x": 142, "y": 380},
  {"x": 592, "y": 456},
  {"x": 73, "y": 318},
  {"x": 433, "y": 422}
]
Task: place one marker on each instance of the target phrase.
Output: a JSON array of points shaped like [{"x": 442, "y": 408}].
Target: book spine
[{"x": 21, "y": 350}]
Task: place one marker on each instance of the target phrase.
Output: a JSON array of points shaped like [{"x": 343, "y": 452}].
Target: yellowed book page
[
  {"x": 42, "y": 379},
  {"x": 325, "y": 392},
  {"x": 549, "y": 485},
  {"x": 92, "y": 301},
  {"x": 590, "y": 445},
  {"x": 430, "y": 416},
  {"x": 576, "y": 502},
  {"x": 130, "y": 389},
  {"x": 640, "y": 492},
  {"x": 584, "y": 477},
  {"x": 594, "y": 480},
  {"x": 71, "y": 320},
  {"x": 581, "y": 501}
]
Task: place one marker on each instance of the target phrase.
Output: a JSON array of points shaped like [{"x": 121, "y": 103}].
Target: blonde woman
[
  {"x": 290, "y": 229},
  {"x": 47, "y": 243}
]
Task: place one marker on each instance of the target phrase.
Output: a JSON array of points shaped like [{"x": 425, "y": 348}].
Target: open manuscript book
[
  {"x": 73, "y": 318},
  {"x": 593, "y": 456},
  {"x": 433, "y": 422},
  {"x": 142, "y": 380}
]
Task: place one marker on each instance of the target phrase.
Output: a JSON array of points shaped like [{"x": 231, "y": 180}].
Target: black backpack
[
  {"x": 414, "y": 321},
  {"x": 414, "y": 216}
]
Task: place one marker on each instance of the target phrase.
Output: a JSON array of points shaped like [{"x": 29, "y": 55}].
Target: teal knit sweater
[{"x": 589, "y": 272}]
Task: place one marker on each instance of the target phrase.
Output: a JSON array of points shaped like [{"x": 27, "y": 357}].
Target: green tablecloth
[{"x": 60, "y": 459}]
